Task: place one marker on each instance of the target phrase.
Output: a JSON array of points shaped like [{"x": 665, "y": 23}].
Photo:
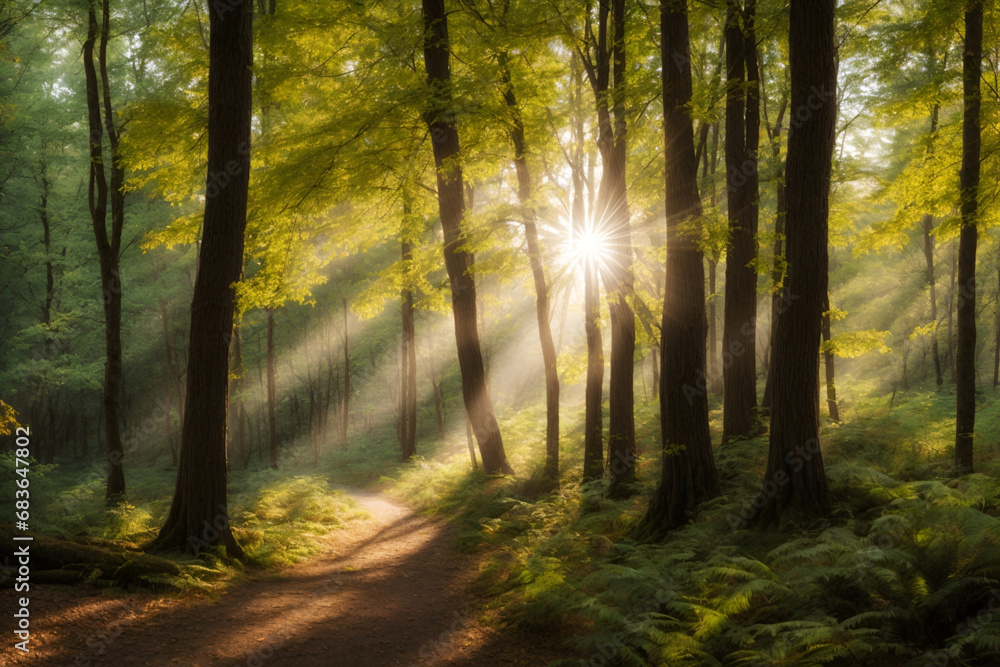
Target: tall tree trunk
[
  {"x": 593, "y": 438},
  {"x": 927, "y": 225},
  {"x": 50, "y": 282},
  {"x": 996, "y": 331},
  {"x": 951, "y": 312},
  {"x": 965, "y": 352},
  {"x": 345, "y": 410},
  {"x": 408, "y": 372},
  {"x": 689, "y": 476},
  {"x": 611, "y": 220},
  {"x": 778, "y": 260},
  {"x": 272, "y": 398},
  {"x": 438, "y": 398},
  {"x": 795, "y": 460},
  {"x": 108, "y": 248},
  {"x": 593, "y": 443},
  {"x": 928, "y": 228},
  {"x": 714, "y": 379},
  {"x": 458, "y": 261},
  {"x": 198, "y": 514},
  {"x": 537, "y": 272},
  {"x": 828, "y": 363},
  {"x": 739, "y": 335},
  {"x": 237, "y": 386}
]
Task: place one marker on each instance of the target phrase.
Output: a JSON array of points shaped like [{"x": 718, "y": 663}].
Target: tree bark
[
  {"x": 408, "y": 371},
  {"x": 951, "y": 312},
  {"x": 689, "y": 476},
  {"x": 440, "y": 120},
  {"x": 927, "y": 225},
  {"x": 778, "y": 260},
  {"x": 996, "y": 332},
  {"x": 610, "y": 223},
  {"x": 593, "y": 438},
  {"x": 198, "y": 514},
  {"x": 272, "y": 397},
  {"x": 795, "y": 459},
  {"x": 739, "y": 334},
  {"x": 965, "y": 352},
  {"x": 108, "y": 248},
  {"x": 828, "y": 364},
  {"x": 345, "y": 410},
  {"x": 537, "y": 271},
  {"x": 438, "y": 398}
]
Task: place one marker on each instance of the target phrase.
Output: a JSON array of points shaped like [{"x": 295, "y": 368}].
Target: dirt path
[{"x": 389, "y": 590}]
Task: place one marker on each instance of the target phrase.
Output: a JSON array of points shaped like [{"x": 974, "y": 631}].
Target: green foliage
[{"x": 851, "y": 344}]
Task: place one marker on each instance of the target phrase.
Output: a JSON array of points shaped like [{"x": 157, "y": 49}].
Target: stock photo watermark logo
[
  {"x": 609, "y": 649},
  {"x": 795, "y": 459},
  {"x": 735, "y": 350}
]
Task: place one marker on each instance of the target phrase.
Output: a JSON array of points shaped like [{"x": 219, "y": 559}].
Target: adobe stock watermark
[
  {"x": 264, "y": 653},
  {"x": 953, "y": 650},
  {"x": 609, "y": 649},
  {"x": 444, "y": 644},
  {"x": 795, "y": 459},
  {"x": 735, "y": 350},
  {"x": 98, "y": 643},
  {"x": 217, "y": 181}
]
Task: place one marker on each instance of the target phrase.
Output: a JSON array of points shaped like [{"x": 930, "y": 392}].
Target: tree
[
  {"x": 408, "y": 365},
  {"x": 795, "y": 458},
  {"x": 689, "y": 476},
  {"x": 198, "y": 514},
  {"x": 459, "y": 262},
  {"x": 108, "y": 247},
  {"x": 965, "y": 349},
  {"x": 528, "y": 219},
  {"x": 739, "y": 334},
  {"x": 611, "y": 224}
]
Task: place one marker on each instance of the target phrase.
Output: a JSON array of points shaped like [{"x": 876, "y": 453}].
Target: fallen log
[{"x": 55, "y": 560}]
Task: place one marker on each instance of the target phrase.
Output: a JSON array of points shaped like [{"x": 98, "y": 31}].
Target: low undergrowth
[
  {"x": 904, "y": 571},
  {"x": 276, "y": 516}
]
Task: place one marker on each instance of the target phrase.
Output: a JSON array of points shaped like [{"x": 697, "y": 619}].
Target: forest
[{"x": 500, "y": 332}]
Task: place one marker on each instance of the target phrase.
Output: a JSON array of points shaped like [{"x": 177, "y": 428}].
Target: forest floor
[{"x": 386, "y": 590}]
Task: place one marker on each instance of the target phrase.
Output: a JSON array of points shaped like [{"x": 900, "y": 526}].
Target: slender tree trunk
[
  {"x": 198, "y": 514},
  {"x": 689, "y": 476},
  {"x": 408, "y": 372},
  {"x": 795, "y": 459},
  {"x": 345, "y": 410},
  {"x": 172, "y": 379},
  {"x": 272, "y": 398},
  {"x": 778, "y": 260},
  {"x": 107, "y": 247},
  {"x": 611, "y": 221},
  {"x": 996, "y": 330},
  {"x": 828, "y": 364},
  {"x": 928, "y": 226},
  {"x": 436, "y": 388},
  {"x": 238, "y": 384},
  {"x": 714, "y": 379},
  {"x": 951, "y": 312},
  {"x": 965, "y": 353},
  {"x": 537, "y": 272},
  {"x": 593, "y": 438},
  {"x": 458, "y": 261},
  {"x": 43, "y": 214},
  {"x": 593, "y": 446},
  {"x": 468, "y": 439},
  {"x": 739, "y": 336}
]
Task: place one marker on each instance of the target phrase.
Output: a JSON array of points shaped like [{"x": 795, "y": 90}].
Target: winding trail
[{"x": 389, "y": 590}]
